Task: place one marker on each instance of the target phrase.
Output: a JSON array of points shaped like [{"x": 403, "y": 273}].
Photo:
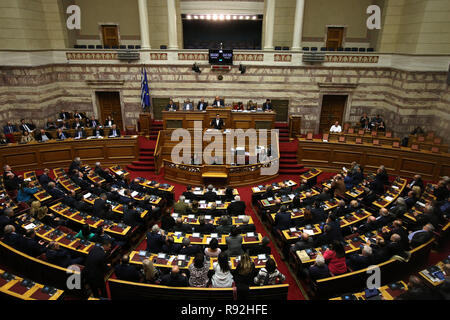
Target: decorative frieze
[{"x": 351, "y": 58}]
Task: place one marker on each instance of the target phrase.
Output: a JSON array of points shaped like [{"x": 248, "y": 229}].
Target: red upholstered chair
[
  {"x": 374, "y": 133},
  {"x": 325, "y": 136},
  {"x": 361, "y": 132},
  {"x": 376, "y": 142},
  {"x": 435, "y": 150},
  {"x": 389, "y": 134},
  {"x": 420, "y": 138},
  {"x": 351, "y": 130},
  {"x": 358, "y": 140},
  {"x": 396, "y": 144},
  {"x": 309, "y": 136},
  {"x": 341, "y": 139},
  {"x": 430, "y": 135},
  {"x": 415, "y": 147},
  {"x": 437, "y": 140}
]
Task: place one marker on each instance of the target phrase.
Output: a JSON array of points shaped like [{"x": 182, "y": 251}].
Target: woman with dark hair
[
  {"x": 269, "y": 274},
  {"x": 198, "y": 271},
  {"x": 234, "y": 242},
  {"x": 222, "y": 277},
  {"x": 229, "y": 194},
  {"x": 213, "y": 250},
  {"x": 335, "y": 257}
]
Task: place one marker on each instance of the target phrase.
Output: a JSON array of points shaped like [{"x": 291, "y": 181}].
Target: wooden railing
[{"x": 157, "y": 153}]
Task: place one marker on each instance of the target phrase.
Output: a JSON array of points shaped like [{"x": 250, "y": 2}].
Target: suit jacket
[
  {"x": 90, "y": 123},
  {"x": 56, "y": 193},
  {"x": 155, "y": 242},
  {"x": 190, "y": 250},
  {"x": 216, "y": 125},
  {"x": 171, "y": 249},
  {"x": 316, "y": 272},
  {"x": 44, "y": 179},
  {"x": 420, "y": 238},
  {"x": 100, "y": 208},
  {"x": 107, "y": 124},
  {"x": 23, "y": 129},
  {"x": 177, "y": 280},
  {"x": 283, "y": 220},
  {"x": 267, "y": 106},
  {"x": 100, "y": 132},
  {"x": 171, "y": 106},
  {"x": 183, "y": 227},
  {"x": 59, "y": 136},
  {"x": 73, "y": 166},
  {"x": 205, "y": 104},
  {"x": 83, "y": 134},
  {"x": 205, "y": 228},
  {"x": 31, "y": 247},
  {"x": 190, "y": 105},
  {"x": 79, "y": 115},
  {"x": 64, "y": 115},
  {"x": 117, "y": 132},
  {"x": 127, "y": 272},
  {"x": 210, "y": 196},
  {"x": 236, "y": 208},
  {"x": 218, "y": 103},
  {"x": 59, "y": 257},
  {"x": 80, "y": 124},
  {"x": 9, "y": 129},
  {"x": 39, "y": 136},
  {"x": 95, "y": 266}
]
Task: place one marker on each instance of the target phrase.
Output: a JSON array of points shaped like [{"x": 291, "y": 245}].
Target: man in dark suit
[
  {"x": 77, "y": 124},
  {"x": 61, "y": 257},
  {"x": 103, "y": 173},
  {"x": 131, "y": 217},
  {"x": 189, "y": 249},
  {"x": 75, "y": 165},
  {"x": 170, "y": 247},
  {"x": 60, "y": 135},
  {"x": 217, "y": 123},
  {"x": 174, "y": 278},
  {"x": 114, "y": 132},
  {"x": 210, "y": 195},
  {"x": 202, "y": 105},
  {"x": 395, "y": 246},
  {"x": 155, "y": 239},
  {"x": 101, "y": 208},
  {"x": 171, "y": 106},
  {"x": 267, "y": 106},
  {"x": 64, "y": 115},
  {"x": 282, "y": 219},
  {"x": 26, "y": 127},
  {"x": 98, "y": 132},
  {"x": 92, "y": 122},
  {"x": 181, "y": 227},
  {"x": 11, "y": 238},
  {"x": 411, "y": 199},
  {"x": 6, "y": 218},
  {"x": 77, "y": 178},
  {"x": 362, "y": 260},
  {"x": 54, "y": 191},
  {"x": 79, "y": 133},
  {"x": 43, "y": 136},
  {"x": 10, "y": 128},
  {"x": 218, "y": 102},
  {"x": 420, "y": 237},
  {"x": 203, "y": 227},
  {"x": 417, "y": 181},
  {"x": 188, "y": 194},
  {"x": 30, "y": 246},
  {"x": 79, "y": 115},
  {"x": 63, "y": 125},
  {"x": 236, "y": 207},
  {"x": 127, "y": 272},
  {"x": 245, "y": 227},
  {"x": 95, "y": 269}
]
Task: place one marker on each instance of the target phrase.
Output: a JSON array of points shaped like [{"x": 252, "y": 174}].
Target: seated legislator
[
  {"x": 336, "y": 128},
  {"x": 114, "y": 132},
  {"x": 251, "y": 105},
  {"x": 364, "y": 120},
  {"x": 217, "y": 123},
  {"x": 26, "y": 137},
  {"x": 77, "y": 123},
  {"x": 92, "y": 122},
  {"x": 79, "y": 115},
  {"x": 79, "y": 133},
  {"x": 63, "y": 125},
  {"x": 202, "y": 105},
  {"x": 3, "y": 139},
  {"x": 60, "y": 135},
  {"x": 239, "y": 106},
  {"x": 63, "y": 115},
  {"x": 127, "y": 272},
  {"x": 43, "y": 136},
  {"x": 171, "y": 106},
  {"x": 98, "y": 132},
  {"x": 50, "y": 125},
  {"x": 376, "y": 122},
  {"x": 267, "y": 106},
  {"x": 26, "y": 127},
  {"x": 10, "y": 128},
  {"x": 109, "y": 122},
  {"x": 188, "y": 106},
  {"x": 218, "y": 102}
]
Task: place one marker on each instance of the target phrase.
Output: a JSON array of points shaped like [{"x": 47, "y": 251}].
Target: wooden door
[
  {"x": 334, "y": 37},
  {"x": 109, "y": 104},
  {"x": 160, "y": 104},
  {"x": 110, "y": 36},
  {"x": 281, "y": 107},
  {"x": 332, "y": 110}
]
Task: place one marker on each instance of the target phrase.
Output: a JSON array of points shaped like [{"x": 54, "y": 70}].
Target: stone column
[
  {"x": 143, "y": 22},
  {"x": 298, "y": 25},
  {"x": 269, "y": 15},
  {"x": 172, "y": 18}
]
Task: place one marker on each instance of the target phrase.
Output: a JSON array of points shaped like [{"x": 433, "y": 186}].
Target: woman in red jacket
[{"x": 336, "y": 259}]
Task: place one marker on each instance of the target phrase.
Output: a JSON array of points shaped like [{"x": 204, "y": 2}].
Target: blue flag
[{"x": 145, "y": 95}]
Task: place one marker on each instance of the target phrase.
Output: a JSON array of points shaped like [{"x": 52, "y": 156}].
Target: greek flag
[{"x": 145, "y": 96}]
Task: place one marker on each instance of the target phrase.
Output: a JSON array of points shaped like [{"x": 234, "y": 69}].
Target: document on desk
[
  {"x": 309, "y": 232},
  {"x": 87, "y": 195},
  {"x": 388, "y": 198}
]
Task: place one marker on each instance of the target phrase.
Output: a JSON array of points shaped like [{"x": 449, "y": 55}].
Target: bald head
[{"x": 175, "y": 270}]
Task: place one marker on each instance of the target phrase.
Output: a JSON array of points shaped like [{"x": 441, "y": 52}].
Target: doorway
[
  {"x": 335, "y": 36},
  {"x": 109, "y": 104},
  {"x": 110, "y": 34},
  {"x": 333, "y": 107}
]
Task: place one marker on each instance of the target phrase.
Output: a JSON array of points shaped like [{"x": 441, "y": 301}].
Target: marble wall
[{"x": 405, "y": 99}]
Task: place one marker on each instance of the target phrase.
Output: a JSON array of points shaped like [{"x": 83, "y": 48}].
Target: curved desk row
[
  {"x": 54, "y": 153},
  {"x": 398, "y": 161}
]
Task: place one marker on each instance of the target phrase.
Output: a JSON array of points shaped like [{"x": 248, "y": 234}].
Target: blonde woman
[
  {"x": 41, "y": 213},
  {"x": 151, "y": 274},
  {"x": 245, "y": 272}
]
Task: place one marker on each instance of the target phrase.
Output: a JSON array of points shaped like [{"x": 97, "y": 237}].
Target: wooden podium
[
  {"x": 145, "y": 123},
  {"x": 294, "y": 126}
]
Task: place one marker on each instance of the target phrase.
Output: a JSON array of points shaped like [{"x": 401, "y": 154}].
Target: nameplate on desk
[
  {"x": 196, "y": 235},
  {"x": 87, "y": 195},
  {"x": 292, "y": 229},
  {"x": 208, "y": 217},
  {"x": 389, "y": 199},
  {"x": 250, "y": 234},
  {"x": 142, "y": 253},
  {"x": 161, "y": 255},
  {"x": 191, "y": 216},
  {"x": 214, "y": 235},
  {"x": 181, "y": 257},
  {"x": 309, "y": 232}
]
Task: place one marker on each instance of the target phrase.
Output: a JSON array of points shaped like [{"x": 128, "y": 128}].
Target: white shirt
[{"x": 336, "y": 128}]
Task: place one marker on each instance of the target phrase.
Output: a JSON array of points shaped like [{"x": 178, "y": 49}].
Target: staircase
[
  {"x": 288, "y": 159},
  {"x": 146, "y": 160},
  {"x": 283, "y": 130}
]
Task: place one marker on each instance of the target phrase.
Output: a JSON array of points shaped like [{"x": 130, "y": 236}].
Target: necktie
[{"x": 10, "y": 129}]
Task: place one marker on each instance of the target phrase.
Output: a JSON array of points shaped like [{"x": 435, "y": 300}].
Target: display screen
[{"x": 217, "y": 56}]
